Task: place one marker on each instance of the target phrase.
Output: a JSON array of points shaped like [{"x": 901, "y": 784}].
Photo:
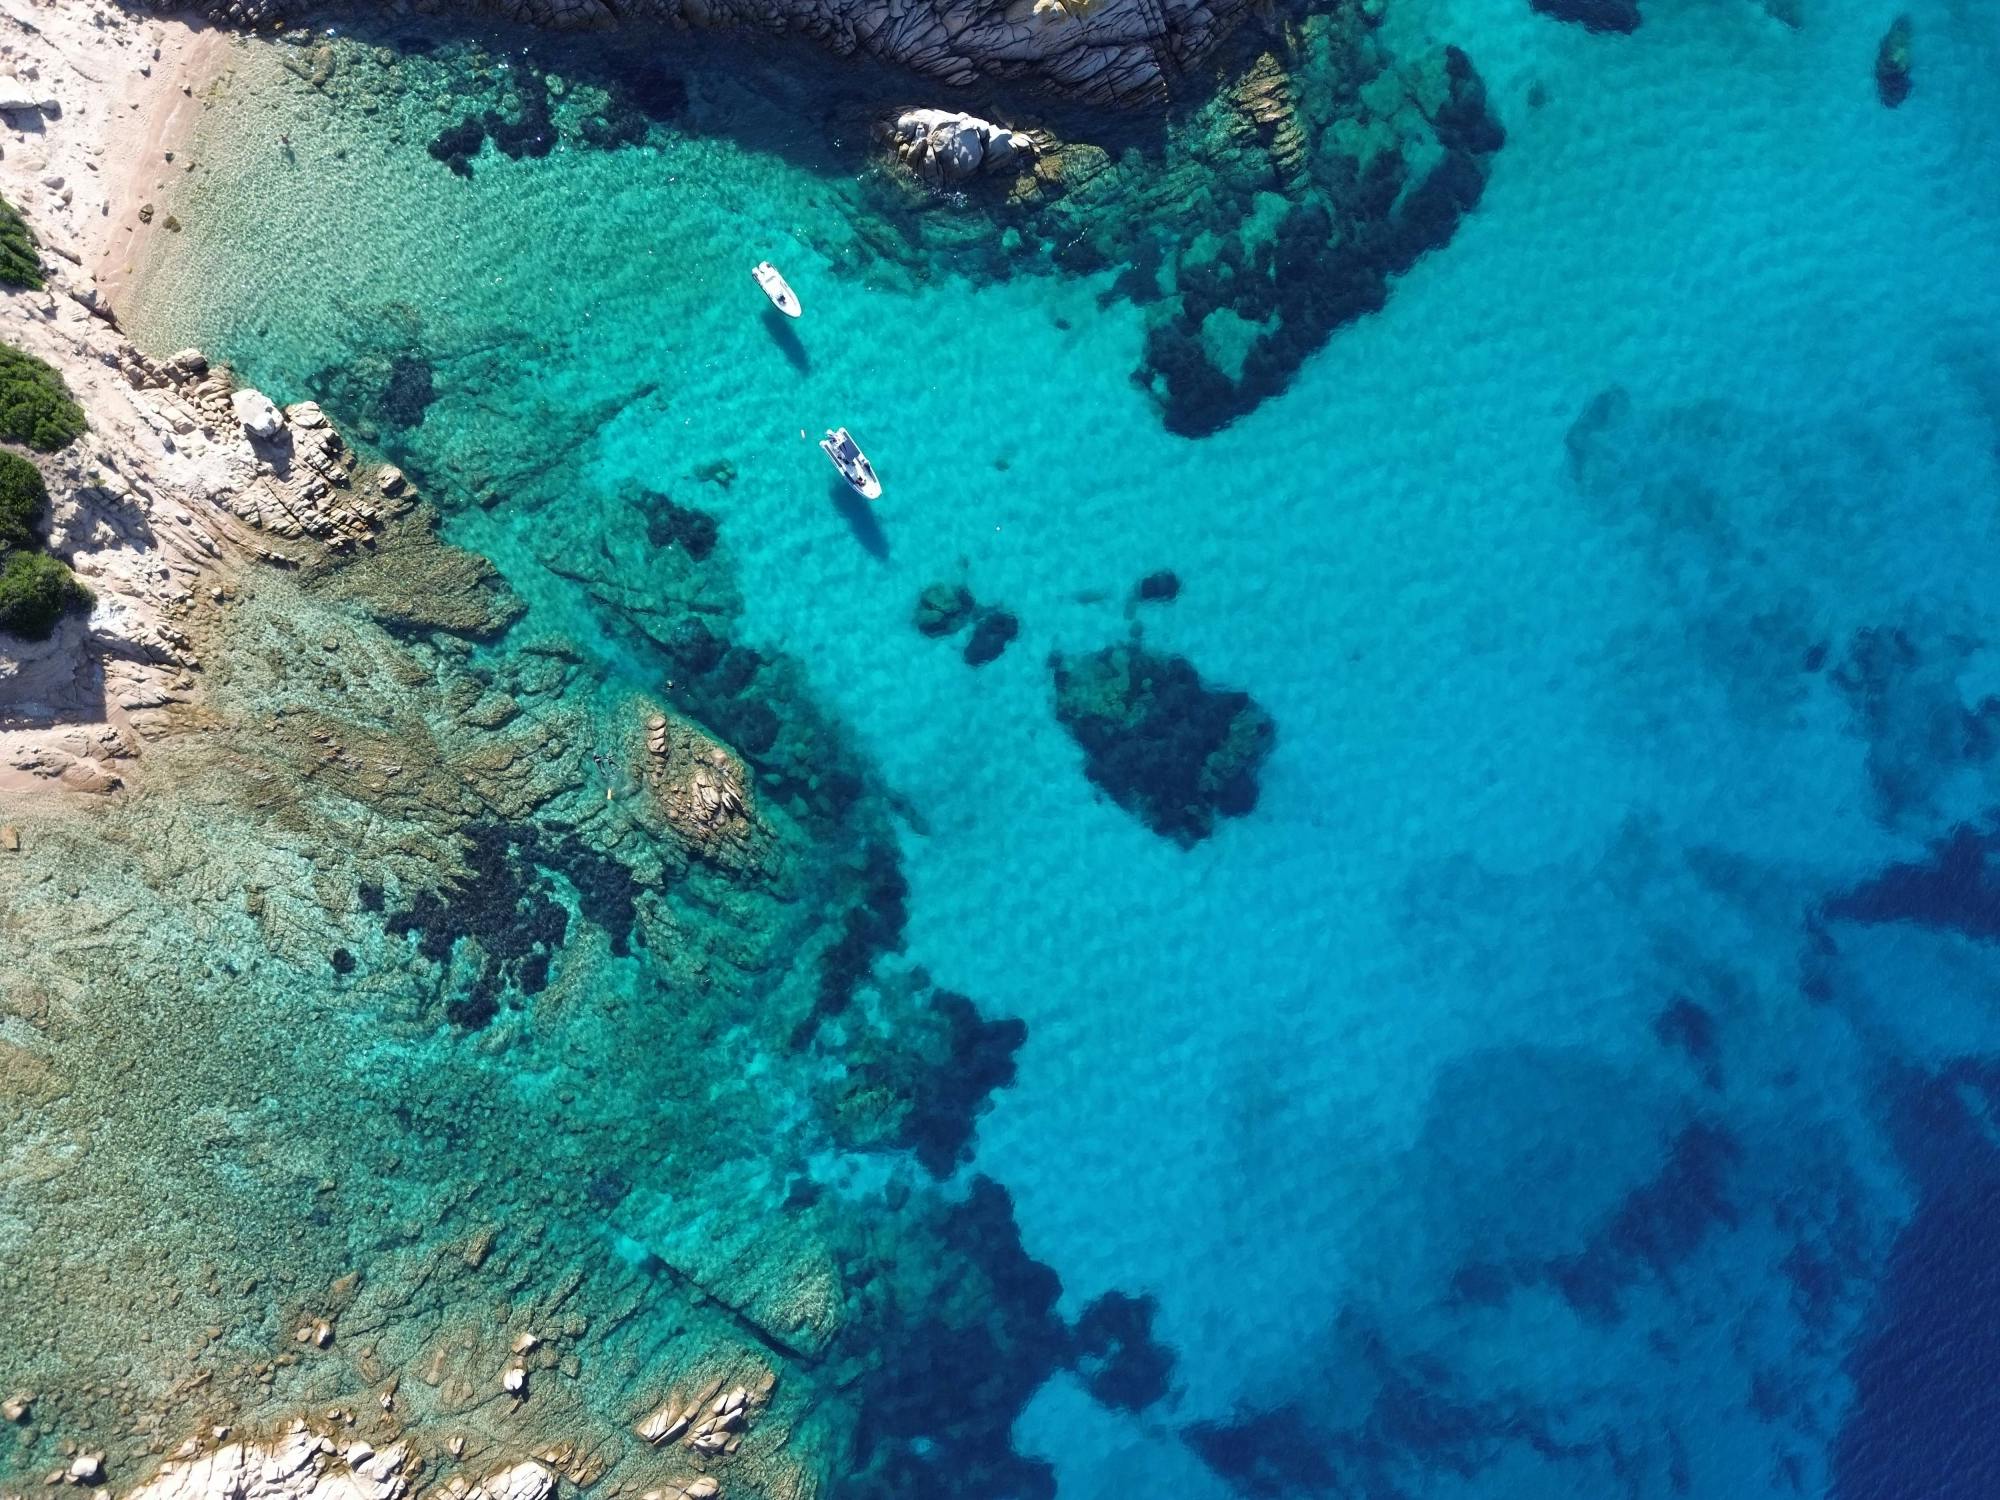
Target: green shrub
[
  {"x": 35, "y": 589},
  {"x": 20, "y": 265},
  {"x": 24, "y": 499},
  {"x": 35, "y": 405}
]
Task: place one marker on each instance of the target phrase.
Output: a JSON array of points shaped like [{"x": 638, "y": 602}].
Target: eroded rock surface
[{"x": 1108, "y": 51}]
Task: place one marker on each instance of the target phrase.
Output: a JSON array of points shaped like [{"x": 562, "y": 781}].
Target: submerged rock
[
  {"x": 1162, "y": 587},
  {"x": 1169, "y": 749},
  {"x": 990, "y": 636},
  {"x": 943, "y": 609}
]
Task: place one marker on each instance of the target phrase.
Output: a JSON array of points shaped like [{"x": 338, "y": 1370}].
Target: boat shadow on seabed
[
  {"x": 861, "y": 520},
  {"x": 786, "y": 337}
]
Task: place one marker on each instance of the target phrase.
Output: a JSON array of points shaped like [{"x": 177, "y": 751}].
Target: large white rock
[
  {"x": 257, "y": 412},
  {"x": 945, "y": 146},
  {"x": 525, "y": 1481},
  {"x": 17, "y": 94}
]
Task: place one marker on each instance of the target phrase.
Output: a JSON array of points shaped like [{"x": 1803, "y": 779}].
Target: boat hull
[
  {"x": 860, "y": 476},
  {"x": 777, "y": 289}
]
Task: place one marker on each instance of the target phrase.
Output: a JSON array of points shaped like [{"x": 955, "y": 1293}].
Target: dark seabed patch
[
  {"x": 1955, "y": 889},
  {"x": 1168, "y": 748},
  {"x": 1925, "y": 1423}
]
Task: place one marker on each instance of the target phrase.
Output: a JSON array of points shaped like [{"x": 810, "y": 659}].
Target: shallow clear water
[{"x": 1509, "y": 1105}]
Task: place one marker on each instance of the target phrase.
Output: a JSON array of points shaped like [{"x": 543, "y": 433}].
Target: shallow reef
[
  {"x": 403, "y": 1030},
  {"x": 1167, "y": 747}
]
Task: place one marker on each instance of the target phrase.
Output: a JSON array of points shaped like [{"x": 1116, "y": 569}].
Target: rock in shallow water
[
  {"x": 943, "y": 609},
  {"x": 944, "y": 147},
  {"x": 1171, "y": 750}
]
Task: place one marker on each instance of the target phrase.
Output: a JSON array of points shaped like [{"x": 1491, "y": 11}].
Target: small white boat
[
  {"x": 852, "y": 463},
  {"x": 776, "y": 288}
]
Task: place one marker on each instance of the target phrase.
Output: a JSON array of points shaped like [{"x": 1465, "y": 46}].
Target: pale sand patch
[
  {"x": 128, "y": 89},
  {"x": 154, "y": 116}
]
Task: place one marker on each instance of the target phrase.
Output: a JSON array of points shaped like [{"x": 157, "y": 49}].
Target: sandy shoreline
[{"x": 128, "y": 89}]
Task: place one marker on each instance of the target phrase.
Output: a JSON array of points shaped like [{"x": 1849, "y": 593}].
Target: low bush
[
  {"x": 35, "y": 406},
  {"x": 20, "y": 263},
  {"x": 35, "y": 589},
  {"x": 24, "y": 500}
]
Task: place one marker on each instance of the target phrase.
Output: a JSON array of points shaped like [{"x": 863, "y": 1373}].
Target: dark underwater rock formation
[
  {"x": 1892, "y": 63},
  {"x": 1119, "y": 1360},
  {"x": 672, "y": 525},
  {"x": 990, "y": 636},
  {"x": 504, "y": 903},
  {"x": 1169, "y": 749},
  {"x": 1593, "y": 15},
  {"x": 1252, "y": 303},
  {"x": 1162, "y": 587},
  {"x": 944, "y": 609}
]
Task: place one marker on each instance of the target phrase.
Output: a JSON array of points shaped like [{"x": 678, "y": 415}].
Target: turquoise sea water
[{"x": 1557, "y": 1085}]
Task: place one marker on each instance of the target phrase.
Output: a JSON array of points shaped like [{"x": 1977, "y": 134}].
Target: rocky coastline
[
  {"x": 1119, "y": 52},
  {"x": 438, "y": 1071}
]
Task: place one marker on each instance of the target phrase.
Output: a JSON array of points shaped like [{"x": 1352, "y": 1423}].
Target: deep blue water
[{"x": 1575, "y": 1075}]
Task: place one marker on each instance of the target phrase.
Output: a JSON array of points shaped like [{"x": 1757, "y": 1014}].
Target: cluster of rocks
[
  {"x": 702, "y": 788},
  {"x": 305, "y": 1464},
  {"x": 710, "y": 1423},
  {"x": 299, "y": 478},
  {"x": 944, "y": 609},
  {"x": 942, "y": 147}
]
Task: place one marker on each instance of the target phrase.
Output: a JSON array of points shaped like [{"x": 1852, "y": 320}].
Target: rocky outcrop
[
  {"x": 258, "y": 413},
  {"x": 180, "y": 482},
  {"x": 302, "y": 1465},
  {"x": 942, "y": 147},
  {"x": 703, "y": 790},
  {"x": 1105, "y": 51},
  {"x": 308, "y": 1465}
]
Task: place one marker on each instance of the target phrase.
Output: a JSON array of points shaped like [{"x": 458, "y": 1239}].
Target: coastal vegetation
[
  {"x": 35, "y": 588},
  {"x": 20, "y": 263},
  {"x": 36, "y": 407},
  {"x": 24, "y": 501}
]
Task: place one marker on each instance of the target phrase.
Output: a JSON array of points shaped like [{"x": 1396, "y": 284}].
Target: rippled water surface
[{"x": 1572, "y": 1077}]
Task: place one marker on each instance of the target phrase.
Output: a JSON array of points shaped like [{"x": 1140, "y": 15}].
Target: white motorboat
[
  {"x": 852, "y": 463},
  {"x": 776, "y": 288}
]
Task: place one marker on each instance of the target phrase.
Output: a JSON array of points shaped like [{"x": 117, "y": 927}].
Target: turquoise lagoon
[{"x": 1572, "y": 1077}]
